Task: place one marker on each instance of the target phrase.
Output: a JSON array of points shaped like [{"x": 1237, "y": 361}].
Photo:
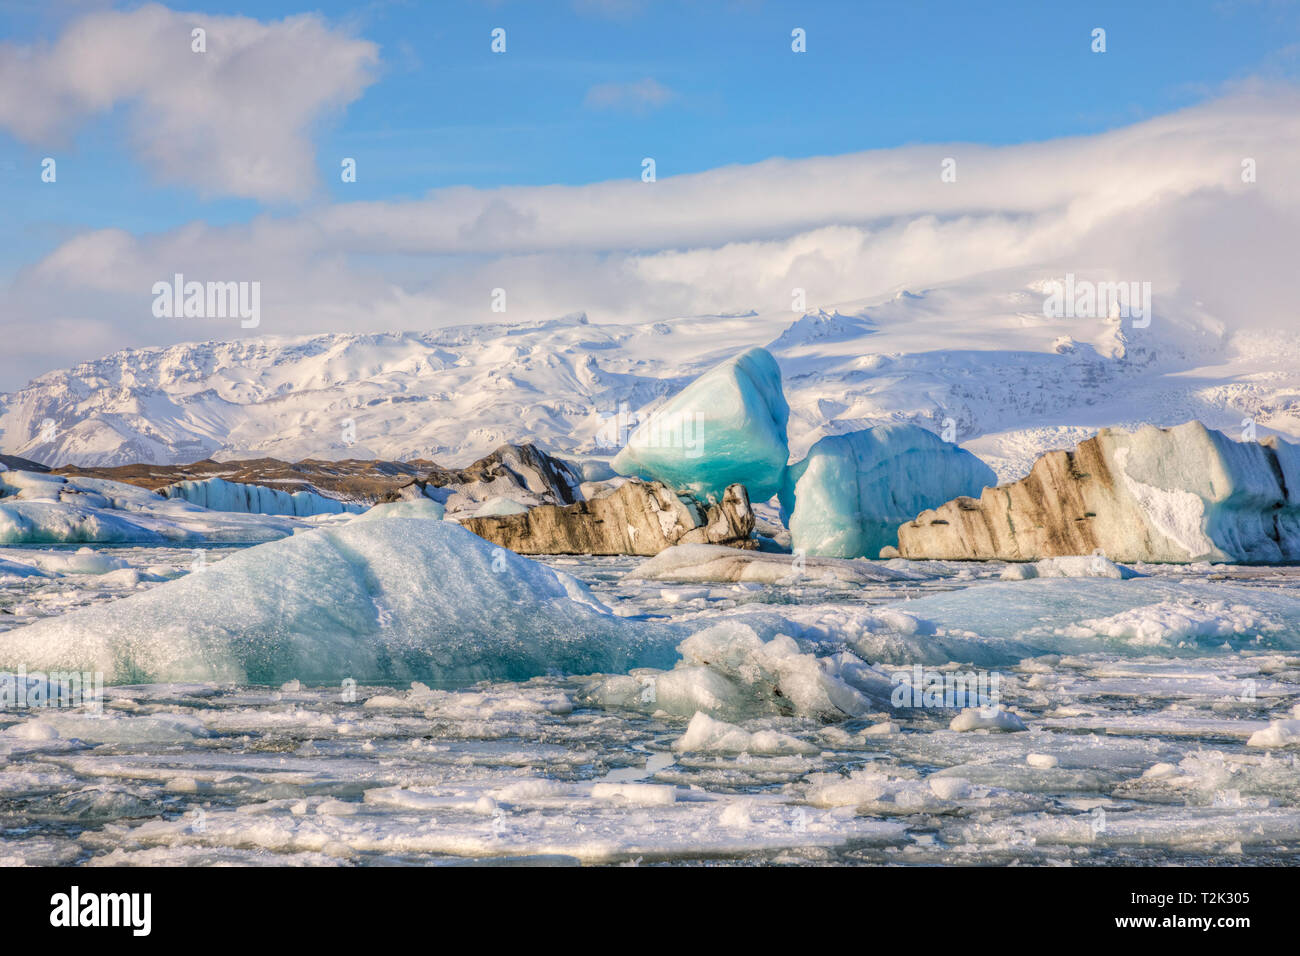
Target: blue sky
[
  {"x": 476, "y": 169},
  {"x": 447, "y": 111}
]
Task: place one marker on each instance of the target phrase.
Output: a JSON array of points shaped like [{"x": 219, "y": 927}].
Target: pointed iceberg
[
  {"x": 848, "y": 497},
  {"x": 727, "y": 426}
]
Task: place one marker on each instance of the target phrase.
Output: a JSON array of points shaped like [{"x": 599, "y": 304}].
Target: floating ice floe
[
  {"x": 727, "y": 426},
  {"x": 987, "y": 718},
  {"x": 1177, "y": 621},
  {"x": 878, "y": 792},
  {"x": 11, "y": 568},
  {"x": 390, "y": 599},
  {"x": 1279, "y": 733},
  {"x": 81, "y": 561},
  {"x": 1215, "y": 778},
  {"x": 591, "y": 822},
  {"x": 1206, "y": 828},
  {"x": 719, "y": 563},
  {"x": 411, "y": 508},
  {"x": 729, "y": 671},
  {"x": 708, "y": 734},
  {"x": 993, "y": 622},
  {"x": 1074, "y": 566},
  {"x": 848, "y": 497}
]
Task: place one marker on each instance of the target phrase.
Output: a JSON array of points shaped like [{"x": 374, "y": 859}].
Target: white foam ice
[
  {"x": 706, "y": 733},
  {"x": 1175, "y": 622},
  {"x": 1073, "y": 566},
  {"x": 987, "y": 718},
  {"x": 1282, "y": 732}
]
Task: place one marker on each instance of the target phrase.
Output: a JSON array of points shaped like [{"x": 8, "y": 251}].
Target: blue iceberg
[
  {"x": 848, "y": 497},
  {"x": 378, "y": 600},
  {"x": 727, "y": 426}
]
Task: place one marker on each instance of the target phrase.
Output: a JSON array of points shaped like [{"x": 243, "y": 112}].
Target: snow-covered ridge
[{"x": 978, "y": 354}]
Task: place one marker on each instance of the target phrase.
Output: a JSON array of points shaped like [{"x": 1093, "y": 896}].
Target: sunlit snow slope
[{"x": 978, "y": 352}]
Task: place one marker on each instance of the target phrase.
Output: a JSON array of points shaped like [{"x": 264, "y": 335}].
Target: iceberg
[
  {"x": 381, "y": 600},
  {"x": 726, "y": 427},
  {"x": 496, "y": 507},
  {"x": 729, "y": 671},
  {"x": 42, "y": 522},
  {"x": 1173, "y": 495},
  {"x": 848, "y": 497},
  {"x": 635, "y": 518},
  {"x": 511, "y": 480}
]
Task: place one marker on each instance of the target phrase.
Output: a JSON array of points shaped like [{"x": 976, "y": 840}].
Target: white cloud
[
  {"x": 1160, "y": 201},
  {"x": 643, "y": 95},
  {"x": 234, "y": 120}
]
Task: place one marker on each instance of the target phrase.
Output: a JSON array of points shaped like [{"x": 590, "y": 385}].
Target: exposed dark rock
[
  {"x": 636, "y": 518},
  {"x": 1158, "y": 494},
  {"x": 367, "y": 482},
  {"x": 14, "y": 463},
  {"x": 521, "y": 473}
]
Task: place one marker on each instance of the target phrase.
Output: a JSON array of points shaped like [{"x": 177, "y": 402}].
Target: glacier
[
  {"x": 387, "y": 599},
  {"x": 40, "y": 508},
  {"x": 848, "y": 497},
  {"x": 217, "y": 494},
  {"x": 726, "y": 427}
]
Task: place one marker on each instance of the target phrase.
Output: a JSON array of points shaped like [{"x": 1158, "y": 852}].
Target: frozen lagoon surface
[{"x": 1160, "y": 716}]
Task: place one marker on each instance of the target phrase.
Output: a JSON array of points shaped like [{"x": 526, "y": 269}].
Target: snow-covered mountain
[{"x": 977, "y": 356}]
